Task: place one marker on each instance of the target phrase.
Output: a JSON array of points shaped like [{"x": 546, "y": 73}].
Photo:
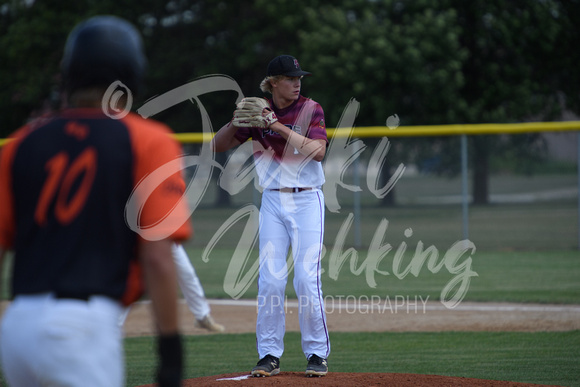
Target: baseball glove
[{"x": 254, "y": 112}]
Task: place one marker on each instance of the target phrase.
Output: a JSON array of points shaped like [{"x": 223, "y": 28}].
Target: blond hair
[{"x": 266, "y": 84}]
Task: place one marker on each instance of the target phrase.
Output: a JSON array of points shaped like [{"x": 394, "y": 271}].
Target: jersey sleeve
[
  {"x": 317, "y": 128},
  {"x": 162, "y": 211},
  {"x": 243, "y": 134},
  {"x": 7, "y": 216}
]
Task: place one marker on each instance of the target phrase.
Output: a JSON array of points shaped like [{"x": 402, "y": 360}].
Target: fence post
[
  {"x": 357, "y": 206},
  {"x": 464, "y": 191}
]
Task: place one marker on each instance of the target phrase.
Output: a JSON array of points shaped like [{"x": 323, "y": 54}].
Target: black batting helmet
[{"x": 102, "y": 50}]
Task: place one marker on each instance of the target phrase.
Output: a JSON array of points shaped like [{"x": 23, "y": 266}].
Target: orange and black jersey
[{"x": 64, "y": 186}]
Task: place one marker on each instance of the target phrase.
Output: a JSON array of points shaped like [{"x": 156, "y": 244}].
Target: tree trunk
[{"x": 390, "y": 199}]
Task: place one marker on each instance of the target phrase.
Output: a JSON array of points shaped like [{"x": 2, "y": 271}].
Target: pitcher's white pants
[{"x": 296, "y": 220}]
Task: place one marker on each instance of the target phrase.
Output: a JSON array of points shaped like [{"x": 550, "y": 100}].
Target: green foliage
[
  {"x": 30, "y": 58},
  {"x": 391, "y": 59},
  {"x": 443, "y": 61},
  {"x": 509, "y": 43}
]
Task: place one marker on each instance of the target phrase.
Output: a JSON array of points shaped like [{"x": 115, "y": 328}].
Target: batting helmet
[{"x": 102, "y": 50}]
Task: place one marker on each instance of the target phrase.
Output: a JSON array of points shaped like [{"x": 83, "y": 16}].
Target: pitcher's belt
[{"x": 292, "y": 190}]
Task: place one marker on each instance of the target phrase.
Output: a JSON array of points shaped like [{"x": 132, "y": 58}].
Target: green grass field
[
  {"x": 540, "y": 358},
  {"x": 543, "y": 277}
]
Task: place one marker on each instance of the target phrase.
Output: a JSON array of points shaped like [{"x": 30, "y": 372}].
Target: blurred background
[{"x": 430, "y": 62}]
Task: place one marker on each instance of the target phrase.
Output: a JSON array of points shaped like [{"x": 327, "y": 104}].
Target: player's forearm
[
  {"x": 224, "y": 138},
  {"x": 306, "y": 146},
  {"x": 161, "y": 282}
]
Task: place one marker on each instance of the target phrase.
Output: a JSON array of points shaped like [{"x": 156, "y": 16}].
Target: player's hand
[
  {"x": 254, "y": 112},
  {"x": 170, "y": 360}
]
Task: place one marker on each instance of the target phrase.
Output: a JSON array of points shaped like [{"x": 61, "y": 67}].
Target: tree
[
  {"x": 184, "y": 39},
  {"x": 390, "y": 58},
  {"x": 428, "y": 61},
  {"x": 506, "y": 79},
  {"x": 32, "y": 38},
  {"x": 31, "y": 47},
  {"x": 447, "y": 62},
  {"x": 394, "y": 57}
]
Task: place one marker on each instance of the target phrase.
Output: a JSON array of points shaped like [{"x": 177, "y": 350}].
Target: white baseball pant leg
[
  {"x": 189, "y": 283},
  {"x": 295, "y": 219},
  {"x": 62, "y": 342}
]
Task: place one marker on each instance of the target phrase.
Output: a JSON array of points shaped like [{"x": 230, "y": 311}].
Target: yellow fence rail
[
  {"x": 425, "y": 130},
  {"x": 419, "y": 130}
]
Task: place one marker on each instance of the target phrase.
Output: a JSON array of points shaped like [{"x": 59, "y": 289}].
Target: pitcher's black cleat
[
  {"x": 317, "y": 366},
  {"x": 267, "y": 366}
]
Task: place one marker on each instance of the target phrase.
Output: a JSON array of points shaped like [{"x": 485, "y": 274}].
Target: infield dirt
[{"x": 240, "y": 317}]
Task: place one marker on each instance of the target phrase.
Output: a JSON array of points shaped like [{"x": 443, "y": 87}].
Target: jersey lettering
[{"x": 294, "y": 128}]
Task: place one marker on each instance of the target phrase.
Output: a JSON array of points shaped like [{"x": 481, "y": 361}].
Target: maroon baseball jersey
[{"x": 277, "y": 163}]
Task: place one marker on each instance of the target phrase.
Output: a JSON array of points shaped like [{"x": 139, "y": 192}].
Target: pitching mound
[{"x": 298, "y": 379}]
